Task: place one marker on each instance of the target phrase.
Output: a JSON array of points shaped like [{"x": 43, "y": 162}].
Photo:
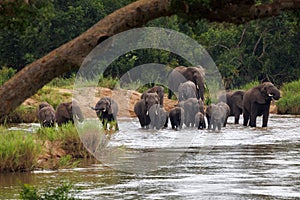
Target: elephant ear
[
  {"x": 110, "y": 107},
  {"x": 70, "y": 108},
  {"x": 237, "y": 98},
  {"x": 259, "y": 94}
]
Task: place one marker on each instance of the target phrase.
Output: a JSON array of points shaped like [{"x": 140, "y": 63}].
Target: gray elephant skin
[
  {"x": 46, "y": 115},
  {"x": 141, "y": 108},
  {"x": 235, "y": 102},
  {"x": 256, "y": 102},
  {"x": 186, "y": 90},
  {"x": 176, "y": 116},
  {"x": 217, "y": 115},
  {"x": 182, "y": 74},
  {"x": 67, "y": 111},
  {"x": 200, "y": 121},
  {"x": 107, "y": 110},
  {"x": 159, "y": 90},
  {"x": 191, "y": 106},
  {"x": 158, "y": 117}
]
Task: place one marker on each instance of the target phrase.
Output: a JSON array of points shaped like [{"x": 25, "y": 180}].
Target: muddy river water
[{"x": 236, "y": 163}]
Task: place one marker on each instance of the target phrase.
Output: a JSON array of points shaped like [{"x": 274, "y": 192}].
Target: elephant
[
  {"x": 217, "y": 115},
  {"x": 191, "y": 106},
  {"x": 141, "y": 108},
  {"x": 46, "y": 115},
  {"x": 182, "y": 74},
  {"x": 158, "y": 117},
  {"x": 176, "y": 116},
  {"x": 160, "y": 92},
  {"x": 186, "y": 90},
  {"x": 107, "y": 110},
  {"x": 200, "y": 121},
  {"x": 67, "y": 111},
  {"x": 256, "y": 102},
  {"x": 235, "y": 102}
]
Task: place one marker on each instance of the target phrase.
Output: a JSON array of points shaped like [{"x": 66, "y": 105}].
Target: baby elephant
[
  {"x": 46, "y": 115},
  {"x": 200, "y": 121},
  {"x": 67, "y": 111},
  {"x": 176, "y": 116},
  {"x": 158, "y": 117},
  {"x": 107, "y": 110},
  {"x": 217, "y": 115}
]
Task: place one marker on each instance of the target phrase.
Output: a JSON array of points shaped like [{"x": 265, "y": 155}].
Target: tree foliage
[{"x": 243, "y": 53}]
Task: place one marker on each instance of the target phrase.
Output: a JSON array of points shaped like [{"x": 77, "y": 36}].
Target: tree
[{"x": 70, "y": 55}]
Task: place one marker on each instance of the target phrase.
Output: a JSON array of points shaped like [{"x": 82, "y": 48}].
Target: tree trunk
[{"x": 70, "y": 55}]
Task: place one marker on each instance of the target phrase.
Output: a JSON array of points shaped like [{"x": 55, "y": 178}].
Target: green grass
[
  {"x": 18, "y": 150},
  {"x": 289, "y": 103}
]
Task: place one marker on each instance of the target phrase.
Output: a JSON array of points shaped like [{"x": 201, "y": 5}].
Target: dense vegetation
[{"x": 243, "y": 53}]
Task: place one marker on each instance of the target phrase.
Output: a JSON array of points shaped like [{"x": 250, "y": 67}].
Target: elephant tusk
[
  {"x": 156, "y": 113},
  {"x": 270, "y": 95},
  {"x": 197, "y": 87},
  {"x": 147, "y": 113}
]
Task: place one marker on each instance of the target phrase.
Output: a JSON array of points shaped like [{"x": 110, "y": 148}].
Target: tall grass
[
  {"x": 289, "y": 103},
  {"x": 68, "y": 136},
  {"x": 18, "y": 151}
]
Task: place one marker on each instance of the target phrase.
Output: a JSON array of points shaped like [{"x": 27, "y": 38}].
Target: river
[{"x": 236, "y": 163}]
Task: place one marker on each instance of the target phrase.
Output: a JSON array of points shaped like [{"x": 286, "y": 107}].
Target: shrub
[
  {"x": 64, "y": 192},
  {"x": 289, "y": 103}
]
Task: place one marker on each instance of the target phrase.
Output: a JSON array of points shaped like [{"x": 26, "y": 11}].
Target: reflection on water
[{"x": 236, "y": 163}]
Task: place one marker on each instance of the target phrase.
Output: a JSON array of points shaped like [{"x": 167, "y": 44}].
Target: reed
[{"x": 18, "y": 150}]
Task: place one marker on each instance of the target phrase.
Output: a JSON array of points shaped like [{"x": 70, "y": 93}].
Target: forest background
[{"x": 243, "y": 53}]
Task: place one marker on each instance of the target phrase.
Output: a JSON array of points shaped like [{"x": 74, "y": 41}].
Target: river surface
[{"x": 236, "y": 163}]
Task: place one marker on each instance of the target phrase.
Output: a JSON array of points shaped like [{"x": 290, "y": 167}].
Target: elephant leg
[
  {"x": 246, "y": 116},
  {"x": 253, "y": 116},
  {"x": 208, "y": 123},
  {"x": 265, "y": 119},
  {"x": 219, "y": 126},
  {"x": 170, "y": 94},
  {"x": 236, "y": 117}
]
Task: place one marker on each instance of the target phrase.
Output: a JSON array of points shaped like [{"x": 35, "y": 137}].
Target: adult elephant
[
  {"x": 159, "y": 90},
  {"x": 191, "y": 106},
  {"x": 67, "y": 111},
  {"x": 186, "y": 90},
  {"x": 256, "y": 102},
  {"x": 107, "y": 110},
  {"x": 235, "y": 102},
  {"x": 142, "y": 107},
  {"x": 46, "y": 115},
  {"x": 182, "y": 74}
]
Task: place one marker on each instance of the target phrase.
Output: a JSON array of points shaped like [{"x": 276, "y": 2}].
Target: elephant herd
[
  {"x": 190, "y": 111},
  {"x": 64, "y": 113},
  {"x": 188, "y": 83}
]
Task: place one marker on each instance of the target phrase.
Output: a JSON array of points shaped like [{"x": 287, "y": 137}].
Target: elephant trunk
[{"x": 275, "y": 94}]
